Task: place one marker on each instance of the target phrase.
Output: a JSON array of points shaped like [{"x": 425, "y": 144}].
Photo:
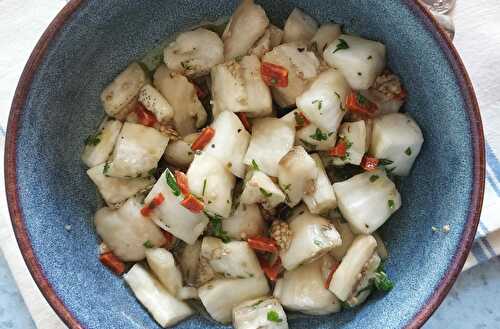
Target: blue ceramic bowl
[{"x": 90, "y": 42}]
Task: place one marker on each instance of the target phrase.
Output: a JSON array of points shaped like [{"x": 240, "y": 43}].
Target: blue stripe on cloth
[
  {"x": 488, "y": 246},
  {"x": 478, "y": 252},
  {"x": 493, "y": 183},
  {"x": 2, "y": 131},
  {"x": 492, "y": 161}
]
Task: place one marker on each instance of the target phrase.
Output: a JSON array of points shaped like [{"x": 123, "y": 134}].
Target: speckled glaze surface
[{"x": 57, "y": 105}]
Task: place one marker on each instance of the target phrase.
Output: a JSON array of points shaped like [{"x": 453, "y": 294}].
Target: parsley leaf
[
  {"x": 273, "y": 316},
  {"x": 319, "y": 135},
  {"x": 299, "y": 119},
  {"x": 382, "y": 281},
  {"x": 172, "y": 183},
  {"x": 319, "y": 102},
  {"x": 204, "y": 187},
  {"x": 265, "y": 193},
  {"x": 408, "y": 151},
  {"x": 341, "y": 45},
  {"x": 255, "y": 166},
  {"x": 286, "y": 187},
  {"x": 385, "y": 162},
  {"x": 93, "y": 140},
  {"x": 361, "y": 99},
  {"x": 106, "y": 168},
  {"x": 373, "y": 178},
  {"x": 148, "y": 244},
  {"x": 216, "y": 227},
  {"x": 390, "y": 204},
  {"x": 308, "y": 145},
  {"x": 185, "y": 65}
]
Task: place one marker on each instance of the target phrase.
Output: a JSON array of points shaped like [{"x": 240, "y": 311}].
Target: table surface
[{"x": 470, "y": 304}]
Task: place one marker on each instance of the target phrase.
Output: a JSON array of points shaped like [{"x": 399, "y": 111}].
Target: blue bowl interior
[{"x": 102, "y": 37}]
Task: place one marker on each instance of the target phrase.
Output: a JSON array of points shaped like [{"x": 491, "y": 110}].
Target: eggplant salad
[{"x": 250, "y": 170}]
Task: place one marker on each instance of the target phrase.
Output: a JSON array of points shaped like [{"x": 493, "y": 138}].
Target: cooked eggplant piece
[
  {"x": 259, "y": 188},
  {"x": 353, "y": 134},
  {"x": 116, "y": 190},
  {"x": 297, "y": 173},
  {"x": 246, "y": 26},
  {"x": 262, "y": 46},
  {"x": 323, "y": 103},
  {"x": 233, "y": 260},
  {"x": 171, "y": 216},
  {"x": 179, "y": 153},
  {"x": 261, "y": 313},
  {"x": 346, "y": 276},
  {"x": 246, "y": 221},
  {"x": 164, "y": 308},
  {"x": 299, "y": 27},
  {"x": 137, "y": 151},
  {"x": 189, "y": 261},
  {"x": 365, "y": 286},
  {"x": 276, "y": 35},
  {"x": 303, "y": 289},
  {"x": 154, "y": 102},
  {"x": 125, "y": 231},
  {"x": 323, "y": 198},
  {"x": 302, "y": 66},
  {"x": 210, "y": 180},
  {"x": 229, "y": 143},
  {"x": 194, "y": 53},
  {"x": 346, "y": 235},
  {"x": 187, "y": 293},
  {"x": 396, "y": 137},
  {"x": 220, "y": 296},
  {"x": 120, "y": 96},
  {"x": 237, "y": 86},
  {"x": 360, "y": 60},
  {"x": 162, "y": 263},
  {"x": 313, "y": 236},
  {"x": 189, "y": 113},
  {"x": 367, "y": 200},
  {"x": 326, "y": 34},
  {"x": 271, "y": 139},
  {"x": 98, "y": 147}
]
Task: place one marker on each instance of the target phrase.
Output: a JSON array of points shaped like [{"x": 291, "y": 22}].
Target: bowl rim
[{"x": 422, "y": 13}]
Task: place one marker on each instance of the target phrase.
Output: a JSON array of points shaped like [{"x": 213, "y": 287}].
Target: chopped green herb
[
  {"x": 382, "y": 281},
  {"x": 331, "y": 133},
  {"x": 385, "y": 162},
  {"x": 216, "y": 227},
  {"x": 345, "y": 305},
  {"x": 319, "y": 102},
  {"x": 204, "y": 187},
  {"x": 369, "y": 57},
  {"x": 186, "y": 66},
  {"x": 299, "y": 119},
  {"x": 273, "y": 316},
  {"x": 308, "y": 145},
  {"x": 255, "y": 166},
  {"x": 274, "y": 81},
  {"x": 341, "y": 45},
  {"x": 287, "y": 187},
  {"x": 337, "y": 94},
  {"x": 152, "y": 172},
  {"x": 408, "y": 151},
  {"x": 257, "y": 303},
  {"x": 172, "y": 183},
  {"x": 361, "y": 99},
  {"x": 317, "y": 242},
  {"x": 389, "y": 171},
  {"x": 238, "y": 59},
  {"x": 391, "y": 204},
  {"x": 148, "y": 244},
  {"x": 373, "y": 178},
  {"x": 93, "y": 140},
  {"x": 106, "y": 168},
  {"x": 265, "y": 193},
  {"x": 319, "y": 135}
]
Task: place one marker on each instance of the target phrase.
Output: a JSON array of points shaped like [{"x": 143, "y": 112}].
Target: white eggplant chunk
[
  {"x": 162, "y": 263},
  {"x": 154, "y": 102},
  {"x": 323, "y": 103},
  {"x": 384, "y": 104},
  {"x": 360, "y": 60},
  {"x": 233, "y": 260},
  {"x": 398, "y": 138},
  {"x": 187, "y": 293},
  {"x": 313, "y": 236},
  {"x": 237, "y": 86},
  {"x": 116, "y": 190},
  {"x": 323, "y": 198},
  {"x": 210, "y": 180},
  {"x": 171, "y": 216},
  {"x": 194, "y": 53},
  {"x": 189, "y": 113},
  {"x": 125, "y": 231},
  {"x": 326, "y": 34},
  {"x": 346, "y": 277},
  {"x": 220, "y": 296},
  {"x": 246, "y": 221},
  {"x": 365, "y": 286},
  {"x": 302, "y": 66},
  {"x": 271, "y": 139},
  {"x": 261, "y": 46},
  {"x": 276, "y": 35},
  {"x": 261, "y": 313},
  {"x": 246, "y": 26},
  {"x": 259, "y": 188},
  {"x": 299, "y": 27},
  {"x": 99, "y": 146},
  {"x": 367, "y": 200},
  {"x": 381, "y": 248},
  {"x": 303, "y": 289},
  {"x": 297, "y": 173},
  {"x": 346, "y": 235},
  {"x": 189, "y": 260},
  {"x": 164, "y": 308},
  {"x": 229, "y": 143},
  {"x": 178, "y": 153},
  {"x": 354, "y": 136},
  {"x": 138, "y": 150},
  {"x": 120, "y": 96}
]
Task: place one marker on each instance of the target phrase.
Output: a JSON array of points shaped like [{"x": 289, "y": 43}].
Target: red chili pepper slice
[
  {"x": 274, "y": 75},
  {"x": 145, "y": 117},
  {"x": 244, "y": 120},
  {"x": 369, "y": 163},
  {"x": 262, "y": 243},
  {"x": 112, "y": 262},
  {"x": 157, "y": 200},
  {"x": 340, "y": 150},
  {"x": 182, "y": 182},
  {"x": 360, "y": 104},
  {"x": 271, "y": 271},
  {"x": 191, "y": 203},
  {"x": 330, "y": 275},
  {"x": 206, "y": 135}
]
